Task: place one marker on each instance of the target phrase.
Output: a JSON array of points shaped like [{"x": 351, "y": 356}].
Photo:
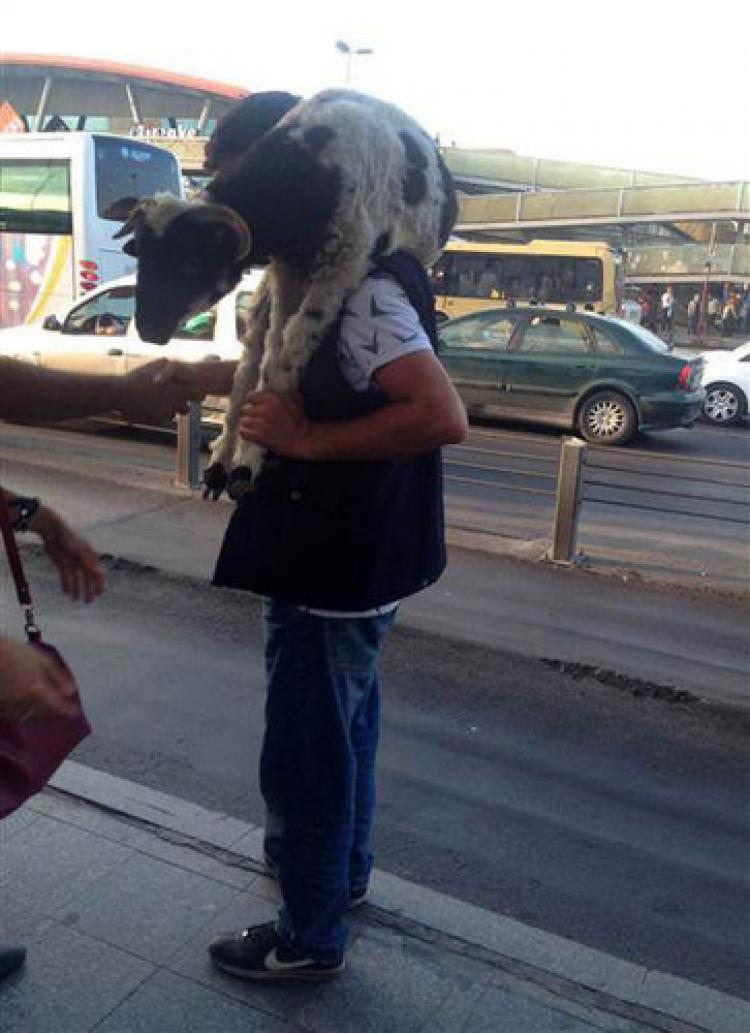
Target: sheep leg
[{"x": 245, "y": 379}]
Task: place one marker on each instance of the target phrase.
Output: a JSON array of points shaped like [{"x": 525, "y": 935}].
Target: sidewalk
[
  {"x": 117, "y": 889},
  {"x": 710, "y": 342}
]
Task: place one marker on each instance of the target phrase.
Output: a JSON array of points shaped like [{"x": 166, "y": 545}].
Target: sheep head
[{"x": 189, "y": 256}]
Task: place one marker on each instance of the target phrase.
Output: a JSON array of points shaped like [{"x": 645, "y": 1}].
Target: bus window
[
  {"x": 35, "y": 196},
  {"x": 547, "y": 279},
  {"x": 128, "y": 171}
]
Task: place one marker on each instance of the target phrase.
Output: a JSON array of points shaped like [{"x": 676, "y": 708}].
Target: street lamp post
[{"x": 350, "y": 53}]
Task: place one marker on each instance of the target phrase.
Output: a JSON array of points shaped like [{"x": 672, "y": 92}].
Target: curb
[{"x": 670, "y": 997}]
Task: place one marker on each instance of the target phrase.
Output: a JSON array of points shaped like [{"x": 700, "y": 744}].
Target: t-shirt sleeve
[{"x": 378, "y": 326}]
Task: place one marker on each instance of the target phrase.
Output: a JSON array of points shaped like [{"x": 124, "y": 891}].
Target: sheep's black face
[
  {"x": 180, "y": 274},
  {"x": 186, "y": 262}
]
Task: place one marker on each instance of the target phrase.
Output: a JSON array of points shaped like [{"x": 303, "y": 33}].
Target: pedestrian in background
[
  {"x": 647, "y": 311},
  {"x": 713, "y": 312},
  {"x": 694, "y": 314},
  {"x": 745, "y": 311},
  {"x": 728, "y": 317},
  {"x": 667, "y": 311}
]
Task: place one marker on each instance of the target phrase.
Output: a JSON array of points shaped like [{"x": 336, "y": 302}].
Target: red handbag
[{"x": 31, "y": 752}]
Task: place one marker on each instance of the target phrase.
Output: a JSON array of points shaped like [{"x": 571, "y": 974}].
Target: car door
[
  {"x": 92, "y": 337},
  {"x": 192, "y": 341},
  {"x": 549, "y": 361},
  {"x": 472, "y": 351}
]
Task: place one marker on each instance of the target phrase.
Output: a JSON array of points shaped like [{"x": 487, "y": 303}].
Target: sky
[{"x": 656, "y": 85}]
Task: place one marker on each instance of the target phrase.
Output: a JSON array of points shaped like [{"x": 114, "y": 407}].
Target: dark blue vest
[{"x": 342, "y": 535}]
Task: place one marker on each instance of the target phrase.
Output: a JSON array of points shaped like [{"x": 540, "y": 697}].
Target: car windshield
[{"x": 651, "y": 340}]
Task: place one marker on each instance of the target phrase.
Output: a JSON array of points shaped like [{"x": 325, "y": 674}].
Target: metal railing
[
  {"x": 684, "y": 492},
  {"x": 189, "y": 443},
  {"x": 687, "y": 488}
]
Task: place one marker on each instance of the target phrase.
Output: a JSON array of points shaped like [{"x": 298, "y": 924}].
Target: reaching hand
[
  {"x": 32, "y": 686},
  {"x": 153, "y": 393},
  {"x": 77, "y": 563}
]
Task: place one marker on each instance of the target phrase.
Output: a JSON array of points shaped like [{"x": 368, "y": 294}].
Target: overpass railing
[{"x": 675, "y": 202}]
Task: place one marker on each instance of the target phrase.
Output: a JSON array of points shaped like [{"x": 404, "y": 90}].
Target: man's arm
[
  {"x": 151, "y": 393},
  {"x": 425, "y": 412},
  {"x": 214, "y": 378}
]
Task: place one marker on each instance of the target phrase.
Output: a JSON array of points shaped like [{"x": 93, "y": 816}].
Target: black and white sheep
[{"x": 343, "y": 180}]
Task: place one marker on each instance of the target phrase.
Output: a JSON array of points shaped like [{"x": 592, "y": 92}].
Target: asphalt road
[
  {"x": 674, "y": 505},
  {"x": 592, "y": 810}
]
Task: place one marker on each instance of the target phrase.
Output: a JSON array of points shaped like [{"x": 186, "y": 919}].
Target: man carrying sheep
[{"x": 344, "y": 516}]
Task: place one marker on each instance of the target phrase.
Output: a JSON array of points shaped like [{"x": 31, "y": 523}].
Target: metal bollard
[
  {"x": 572, "y": 457},
  {"x": 189, "y": 440}
]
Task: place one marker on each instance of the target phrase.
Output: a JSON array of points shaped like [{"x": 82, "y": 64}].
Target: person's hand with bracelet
[{"x": 81, "y": 576}]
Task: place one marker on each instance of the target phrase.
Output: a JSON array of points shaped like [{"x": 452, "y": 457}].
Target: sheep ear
[{"x": 135, "y": 219}]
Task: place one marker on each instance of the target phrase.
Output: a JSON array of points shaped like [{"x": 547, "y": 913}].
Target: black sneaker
[
  {"x": 11, "y": 959},
  {"x": 357, "y": 897},
  {"x": 259, "y": 953}
]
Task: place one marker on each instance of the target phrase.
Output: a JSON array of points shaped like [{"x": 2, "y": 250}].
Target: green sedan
[{"x": 605, "y": 377}]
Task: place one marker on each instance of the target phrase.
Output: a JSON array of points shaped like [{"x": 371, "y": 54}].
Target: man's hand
[
  {"x": 32, "y": 686},
  {"x": 81, "y": 576},
  {"x": 153, "y": 393},
  {"x": 277, "y": 422}
]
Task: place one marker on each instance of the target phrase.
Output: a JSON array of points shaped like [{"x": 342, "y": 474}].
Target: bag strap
[{"x": 16, "y": 568}]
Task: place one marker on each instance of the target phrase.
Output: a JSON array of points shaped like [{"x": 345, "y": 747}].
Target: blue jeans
[{"x": 317, "y": 767}]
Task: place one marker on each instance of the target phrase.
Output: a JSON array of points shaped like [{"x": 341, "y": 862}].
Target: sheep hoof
[
  {"x": 214, "y": 481},
  {"x": 241, "y": 481}
]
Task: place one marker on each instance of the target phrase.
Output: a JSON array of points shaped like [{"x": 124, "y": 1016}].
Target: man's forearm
[
  {"x": 214, "y": 378},
  {"x": 399, "y": 430},
  {"x": 30, "y": 393}
]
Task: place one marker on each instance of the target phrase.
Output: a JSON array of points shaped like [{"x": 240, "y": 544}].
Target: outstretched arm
[{"x": 150, "y": 394}]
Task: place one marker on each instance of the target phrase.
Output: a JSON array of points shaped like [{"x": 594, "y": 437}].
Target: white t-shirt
[
  {"x": 379, "y": 325},
  {"x": 631, "y": 310}
]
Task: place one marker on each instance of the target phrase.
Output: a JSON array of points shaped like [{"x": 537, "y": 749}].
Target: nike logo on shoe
[{"x": 273, "y": 962}]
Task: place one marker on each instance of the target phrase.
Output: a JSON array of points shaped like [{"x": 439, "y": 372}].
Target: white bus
[{"x": 62, "y": 198}]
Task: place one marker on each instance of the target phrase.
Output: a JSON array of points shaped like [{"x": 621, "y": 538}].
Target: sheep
[{"x": 343, "y": 180}]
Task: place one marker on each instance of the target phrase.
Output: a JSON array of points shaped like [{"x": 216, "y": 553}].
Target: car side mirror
[{"x": 52, "y": 323}]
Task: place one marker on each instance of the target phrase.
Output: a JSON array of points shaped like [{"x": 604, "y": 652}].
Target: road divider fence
[{"x": 573, "y": 477}]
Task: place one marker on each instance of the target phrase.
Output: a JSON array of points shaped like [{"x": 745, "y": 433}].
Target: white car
[
  {"x": 97, "y": 334},
  {"x": 726, "y": 378}
]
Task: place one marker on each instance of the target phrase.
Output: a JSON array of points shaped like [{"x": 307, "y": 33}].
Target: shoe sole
[{"x": 299, "y": 975}]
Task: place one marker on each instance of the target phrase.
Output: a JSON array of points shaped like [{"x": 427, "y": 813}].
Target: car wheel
[
  {"x": 607, "y": 418},
  {"x": 724, "y": 403}
]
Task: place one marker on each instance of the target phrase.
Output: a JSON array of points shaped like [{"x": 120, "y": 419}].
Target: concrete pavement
[{"x": 116, "y": 889}]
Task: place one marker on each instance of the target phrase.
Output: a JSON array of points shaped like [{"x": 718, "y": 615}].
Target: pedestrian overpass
[
  {"x": 683, "y": 232},
  {"x": 670, "y": 228}
]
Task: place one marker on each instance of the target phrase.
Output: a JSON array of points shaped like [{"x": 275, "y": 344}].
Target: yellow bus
[{"x": 475, "y": 275}]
